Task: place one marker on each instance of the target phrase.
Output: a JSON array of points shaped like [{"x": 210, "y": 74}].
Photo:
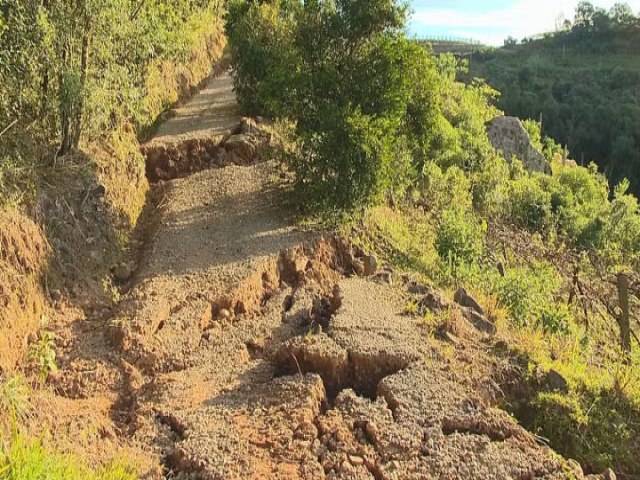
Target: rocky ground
[{"x": 247, "y": 348}]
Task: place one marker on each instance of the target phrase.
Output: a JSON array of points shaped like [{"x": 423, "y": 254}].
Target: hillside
[
  {"x": 583, "y": 86},
  {"x": 313, "y": 255}
]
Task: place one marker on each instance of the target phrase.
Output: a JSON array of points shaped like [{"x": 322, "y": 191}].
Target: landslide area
[{"x": 246, "y": 347}]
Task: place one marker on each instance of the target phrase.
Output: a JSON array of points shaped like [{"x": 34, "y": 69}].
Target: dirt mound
[{"x": 24, "y": 254}]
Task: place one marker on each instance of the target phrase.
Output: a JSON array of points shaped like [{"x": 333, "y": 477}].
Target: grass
[{"x": 24, "y": 459}]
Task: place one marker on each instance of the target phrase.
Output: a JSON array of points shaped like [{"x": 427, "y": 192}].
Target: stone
[
  {"x": 419, "y": 288},
  {"x": 384, "y": 277},
  {"x": 249, "y": 127},
  {"x": 259, "y": 120},
  {"x": 241, "y": 146},
  {"x": 556, "y": 382},
  {"x": 122, "y": 272},
  {"x": 358, "y": 267},
  {"x": 370, "y": 265},
  {"x": 479, "y": 321},
  {"x": 508, "y": 135},
  {"x": 451, "y": 338},
  {"x": 462, "y": 298},
  {"x": 434, "y": 302},
  {"x": 610, "y": 475}
]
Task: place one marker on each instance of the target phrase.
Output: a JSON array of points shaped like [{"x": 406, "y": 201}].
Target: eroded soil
[{"x": 248, "y": 348}]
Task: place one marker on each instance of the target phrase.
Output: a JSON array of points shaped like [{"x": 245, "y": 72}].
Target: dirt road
[{"x": 248, "y": 348}]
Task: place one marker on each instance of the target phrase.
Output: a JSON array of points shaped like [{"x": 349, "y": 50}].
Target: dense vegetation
[
  {"x": 381, "y": 130},
  {"x": 582, "y": 82},
  {"x": 75, "y": 71}
]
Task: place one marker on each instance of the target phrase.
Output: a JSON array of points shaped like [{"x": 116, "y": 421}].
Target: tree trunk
[
  {"x": 623, "y": 297},
  {"x": 84, "y": 66},
  {"x": 65, "y": 117}
]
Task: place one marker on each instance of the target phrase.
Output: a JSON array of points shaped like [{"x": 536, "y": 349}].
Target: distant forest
[{"x": 581, "y": 82}]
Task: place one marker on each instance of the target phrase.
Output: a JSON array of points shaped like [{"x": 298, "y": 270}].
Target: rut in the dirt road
[{"x": 249, "y": 349}]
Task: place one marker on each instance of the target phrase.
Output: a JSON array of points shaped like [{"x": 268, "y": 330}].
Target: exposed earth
[{"x": 245, "y": 347}]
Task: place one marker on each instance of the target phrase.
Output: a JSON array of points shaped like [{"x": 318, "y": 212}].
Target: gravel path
[{"x": 210, "y": 113}]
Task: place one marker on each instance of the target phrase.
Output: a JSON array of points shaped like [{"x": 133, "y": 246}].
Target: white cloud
[{"x": 523, "y": 18}]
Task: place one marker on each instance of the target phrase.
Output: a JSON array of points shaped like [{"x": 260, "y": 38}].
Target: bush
[
  {"x": 623, "y": 230},
  {"x": 440, "y": 190},
  {"x": 491, "y": 187},
  {"x": 262, "y": 38},
  {"x": 459, "y": 237},
  {"x": 597, "y": 428},
  {"x": 371, "y": 107},
  {"x": 70, "y": 72},
  {"x": 528, "y": 293},
  {"x": 530, "y": 203}
]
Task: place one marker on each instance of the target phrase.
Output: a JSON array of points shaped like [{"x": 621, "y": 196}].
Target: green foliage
[
  {"x": 439, "y": 190},
  {"x": 595, "y": 427},
  {"x": 623, "y": 228},
  {"x": 261, "y": 40},
  {"x": 528, "y": 293},
  {"x": 43, "y": 354},
  {"x": 459, "y": 237},
  {"x": 582, "y": 83},
  {"x": 14, "y": 399},
  {"x": 72, "y": 70},
  {"x": 22, "y": 459},
  {"x": 530, "y": 203},
  {"x": 372, "y": 109}
]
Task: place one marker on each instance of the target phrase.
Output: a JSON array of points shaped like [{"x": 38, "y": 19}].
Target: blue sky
[{"x": 491, "y": 21}]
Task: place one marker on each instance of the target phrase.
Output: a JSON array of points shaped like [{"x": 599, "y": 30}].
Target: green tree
[
  {"x": 363, "y": 97},
  {"x": 622, "y": 15},
  {"x": 585, "y": 12}
]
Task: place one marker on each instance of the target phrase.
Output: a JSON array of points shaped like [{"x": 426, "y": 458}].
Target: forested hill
[{"x": 583, "y": 82}]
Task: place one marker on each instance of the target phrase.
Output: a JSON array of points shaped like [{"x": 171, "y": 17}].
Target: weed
[
  {"x": 14, "y": 399},
  {"x": 411, "y": 308},
  {"x": 43, "y": 353},
  {"x": 23, "y": 459}
]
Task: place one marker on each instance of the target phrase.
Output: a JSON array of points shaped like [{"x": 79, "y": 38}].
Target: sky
[{"x": 491, "y": 21}]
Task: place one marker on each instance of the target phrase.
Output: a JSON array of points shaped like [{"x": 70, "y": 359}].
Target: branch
[
  {"x": 9, "y": 127},
  {"x": 137, "y": 10}
]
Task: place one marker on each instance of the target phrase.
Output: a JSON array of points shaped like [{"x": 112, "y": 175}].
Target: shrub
[
  {"x": 459, "y": 237},
  {"x": 491, "y": 187},
  {"x": 530, "y": 203},
  {"x": 528, "y": 294},
  {"x": 555, "y": 318},
  {"x": 262, "y": 45},
  {"x": 441, "y": 190},
  {"x": 371, "y": 107},
  {"x": 623, "y": 230},
  {"x": 595, "y": 427}
]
